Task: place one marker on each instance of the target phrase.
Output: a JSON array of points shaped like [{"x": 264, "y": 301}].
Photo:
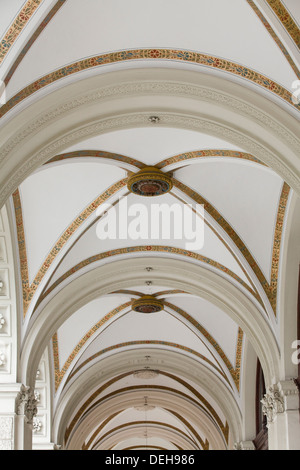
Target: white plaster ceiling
[
  {"x": 85, "y": 32},
  {"x": 58, "y": 203},
  {"x": 244, "y": 192},
  {"x": 151, "y": 145}
]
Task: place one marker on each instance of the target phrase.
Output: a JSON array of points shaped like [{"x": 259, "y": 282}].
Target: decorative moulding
[
  {"x": 149, "y": 182},
  {"x": 146, "y": 374},
  {"x": 4, "y": 290},
  {"x": 4, "y": 320},
  {"x": 272, "y": 404},
  {"x": 187, "y": 90},
  {"x": 282, "y": 397},
  {"x": 5, "y": 353},
  {"x": 26, "y": 404},
  {"x": 3, "y": 256},
  {"x": 37, "y": 425},
  {"x": 6, "y": 433}
]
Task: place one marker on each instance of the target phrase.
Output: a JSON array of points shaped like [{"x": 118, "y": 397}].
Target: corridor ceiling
[{"x": 120, "y": 379}]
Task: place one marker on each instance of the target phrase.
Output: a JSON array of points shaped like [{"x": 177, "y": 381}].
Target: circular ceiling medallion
[
  {"x": 147, "y": 304},
  {"x": 150, "y": 181},
  {"x": 146, "y": 374}
]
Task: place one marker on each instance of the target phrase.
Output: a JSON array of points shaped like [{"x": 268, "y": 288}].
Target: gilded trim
[
  {"x": 206, "y": 405},
  {"x": 32, "y": 39},
  {"x": 285, "y": 18},
  {"x": 212, "y": 153},
  {"x": 96, "y": 154},
  {"x": 147, "y": 249},
  {"x": 270, "y": 289},
  {"x": 30, "y": 290},
  {"x": 165, "y": 389},
  {"x": 21, "y": 245},
  {"x": 208, "y": 153},
  {"x": 99, "y": 429},
  {"x": 163, "y": 164},
  {"x": 274, "y": 36},
  {"x": 273, "y": 288},
  {"x": 149, "y": 55},
  {"x": 87, "y": 403},
  {"x": 234, "y": 372},
  {"x": 59, "y": 374},
  {"x": 205, "y": 446},
  {"x": 17, "y": 26}
]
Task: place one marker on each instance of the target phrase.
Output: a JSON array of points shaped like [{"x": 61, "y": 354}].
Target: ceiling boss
[{"x": 150, "y": 181}]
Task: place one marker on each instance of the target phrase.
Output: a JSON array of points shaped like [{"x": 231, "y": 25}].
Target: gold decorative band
[
  {"x": 17, "y": 26},
  {"x": 284, "y": 16},
  {"x": 147, "y": 304},
  {"x": 151, "y": 54}
]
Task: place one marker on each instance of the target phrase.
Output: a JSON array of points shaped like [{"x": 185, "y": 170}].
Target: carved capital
[
  {"x": 244, "y": 445},
  {"x": 26, "y": 404},
  {"x": 272, "y": 404},
  {"x": 280, "y": 398}
]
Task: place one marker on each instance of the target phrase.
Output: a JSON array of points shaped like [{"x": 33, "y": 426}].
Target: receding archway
[{"x": 177, "y": 274}]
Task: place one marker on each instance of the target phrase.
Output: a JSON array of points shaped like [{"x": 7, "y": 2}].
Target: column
[{"x": 17, "y": 411}]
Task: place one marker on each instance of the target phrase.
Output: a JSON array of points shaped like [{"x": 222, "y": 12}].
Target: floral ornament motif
[
  {"x": 26, "y": 404},
  {"x": 286, "y": 19},
  {"x": 37, "y": 396},
  {"x": 272, "y": 404},
  {"x": 37, "y": 425},
  {"x": 155, "y": 53},
  {"x": 150, "y": 181},
  {"x": 146, "y": 373},
  {"x": 147, "y": 304},
  {"x": 142, "y": 54},
  {"x": 17, "y": 26},
  {"x": 2, "y": 359},
  {"x": 2, "y": 321}
]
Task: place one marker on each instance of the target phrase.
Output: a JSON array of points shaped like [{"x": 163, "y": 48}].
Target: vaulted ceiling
[{"x": 126, "y": 379}]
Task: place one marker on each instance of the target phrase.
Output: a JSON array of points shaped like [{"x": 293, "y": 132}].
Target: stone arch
[
  {"x": 178, "y": 274},
  {"x": 182, "y": 99}
]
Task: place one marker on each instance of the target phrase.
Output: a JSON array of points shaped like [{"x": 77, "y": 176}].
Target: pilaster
[
  {"x": 17, "y": 412},
  {"x": 281, "y": 407}
]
